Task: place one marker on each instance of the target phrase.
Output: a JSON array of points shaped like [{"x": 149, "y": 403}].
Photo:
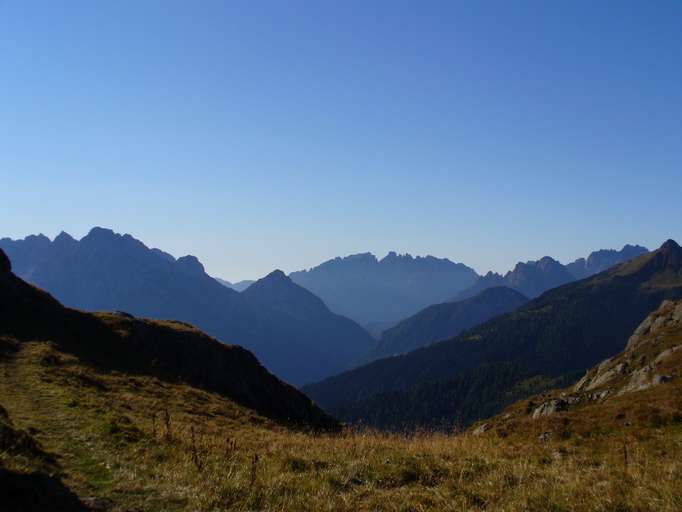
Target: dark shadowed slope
[
  {"x": 446, "y": 320},
  {"x": 106, "y": 271},
  {"x": 170, "y": 351},
  {"x": 387, "y": 290},
  {"x": 536, "y": 277},
  {"x": 547, "y": 341}
]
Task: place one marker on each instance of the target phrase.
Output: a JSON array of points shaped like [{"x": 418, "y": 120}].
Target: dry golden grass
[{"x": 144, "y": 444}]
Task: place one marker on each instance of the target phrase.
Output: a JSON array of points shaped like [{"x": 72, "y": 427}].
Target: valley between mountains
[{"x": 567, "y": 401}]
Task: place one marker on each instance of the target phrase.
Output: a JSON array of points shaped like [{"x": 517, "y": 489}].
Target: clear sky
[{"x": 260, "y": 135}]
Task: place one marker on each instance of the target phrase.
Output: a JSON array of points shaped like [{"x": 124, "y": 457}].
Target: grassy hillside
[{"x": 123, "y": 442}]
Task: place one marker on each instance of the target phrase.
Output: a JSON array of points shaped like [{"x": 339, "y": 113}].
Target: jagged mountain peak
[
  {"x": 38, "y": 239},
  {"x": 371, "y": 291}
]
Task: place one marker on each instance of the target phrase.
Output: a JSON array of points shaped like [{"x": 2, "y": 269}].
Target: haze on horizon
[{"x": 282, "y": 134}]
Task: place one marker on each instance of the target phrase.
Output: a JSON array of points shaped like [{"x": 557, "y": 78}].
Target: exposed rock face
[
  {"x": 649, "y": 359},
  {"x": 669, "y": 314},
  {"x": 635, "y": 369},
  {"x": 607, "y": 375},
  {"x": 550, "y": 407},
  {"x": 642, "y": 364}
]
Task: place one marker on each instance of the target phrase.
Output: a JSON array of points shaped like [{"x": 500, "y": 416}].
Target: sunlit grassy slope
[{"x": 138, "y": 443}]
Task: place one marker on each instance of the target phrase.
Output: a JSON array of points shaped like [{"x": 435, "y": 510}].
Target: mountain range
[
  {"x": 533, "y": 278},
  {"x": 490, "y": 296},
  {"x": 546, "y": 343},
  {"x": 370, "y": 290},
  {"x": 290, "y": 330}
]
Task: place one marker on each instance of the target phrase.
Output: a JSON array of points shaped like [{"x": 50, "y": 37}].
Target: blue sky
[{"x": 258, "y": 135}]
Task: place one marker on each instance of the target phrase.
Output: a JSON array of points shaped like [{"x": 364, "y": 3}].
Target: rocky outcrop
[
  {"x": 550, "y": 407},
  {"x": 481, "y": 429},
  {"x": 649, "y": 359},
  {"x": 642, "y": 365},
  {"x": 643, "y": 362}
]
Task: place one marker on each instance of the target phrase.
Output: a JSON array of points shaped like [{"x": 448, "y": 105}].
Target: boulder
[
  {"x": 550, "y": 407},
  {"x": 482, "y": 429}
]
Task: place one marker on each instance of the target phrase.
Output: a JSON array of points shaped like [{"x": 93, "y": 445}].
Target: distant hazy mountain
[
  {"x": 533, "y": 278},
  {"x": 530, "y": 278},
  {"x": 105, "y": 271},
  {"x": 446, "y": 320},
  {"x": 239, "y": 286},
  {"x": 598, "y": 261},
  {"x": 290, "y": 312},
  {"x": 546, "y": 343},
  {"x": 369, "y": 290}
]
